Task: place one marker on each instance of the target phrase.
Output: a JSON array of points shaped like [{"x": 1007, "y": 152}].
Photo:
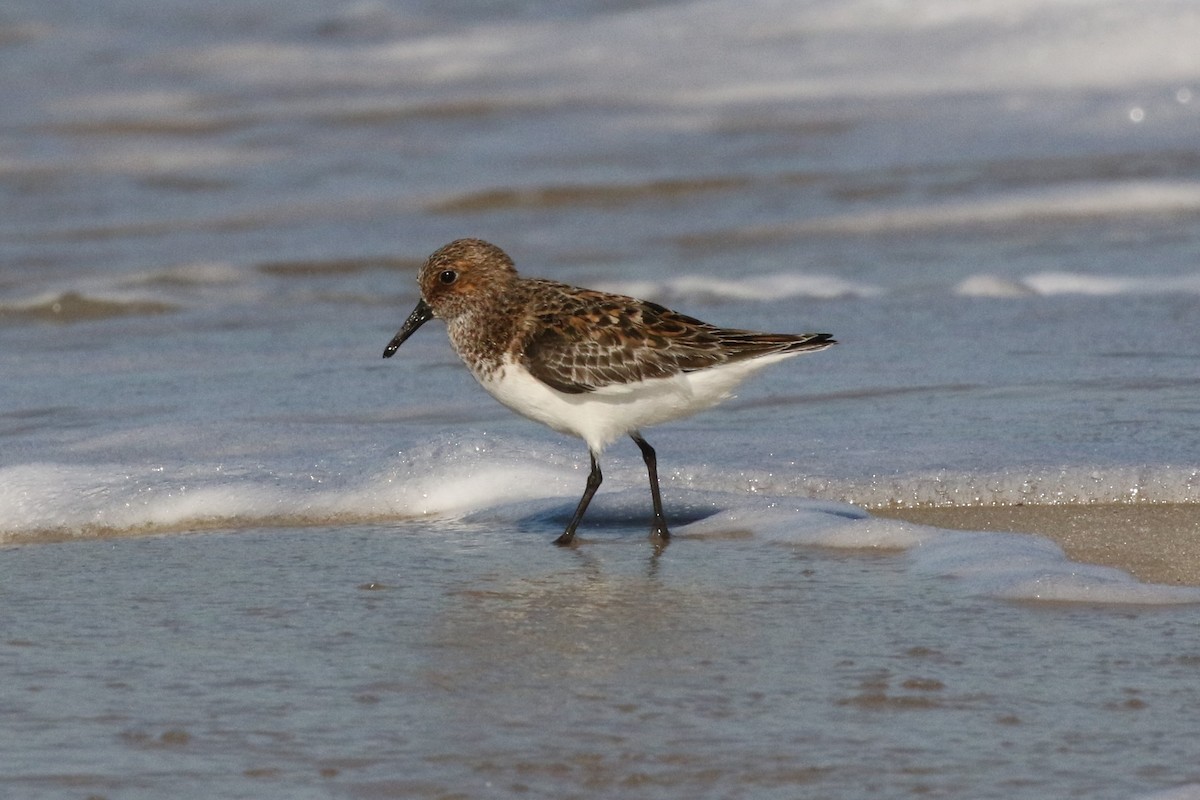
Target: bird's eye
[{"x": 448, "y": 276}]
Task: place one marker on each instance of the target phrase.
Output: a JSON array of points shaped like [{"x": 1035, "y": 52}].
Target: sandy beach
[{"x": 1158, "y": 543}]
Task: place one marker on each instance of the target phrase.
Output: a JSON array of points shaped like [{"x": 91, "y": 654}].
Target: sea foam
[
  {"x": 1070, "y": 203},
  {"x": 709, "y": 289},
  {"x": 1060, "y": 283},
  {"x": 487, "y": 481},
  {"x": 1005, "y": 566}
]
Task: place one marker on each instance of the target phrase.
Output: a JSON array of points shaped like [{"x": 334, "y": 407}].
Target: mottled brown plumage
[{"x": 581, "y": 340}]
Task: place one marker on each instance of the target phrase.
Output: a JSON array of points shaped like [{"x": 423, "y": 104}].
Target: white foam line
[
  {"x": 69, "y": 500},
  {"x": 704, "y": 288},
  {"x": 1008, "y": 566},
  {"x": 1128, "y": 198},
  {"x": 1068, "y": 485},
  {"x": 1058, "y": 283},
  {"x": 66, "y": 500}
]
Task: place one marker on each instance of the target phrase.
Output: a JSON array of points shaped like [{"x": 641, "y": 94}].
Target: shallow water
[
  {"x": 404, "y": 661},
  {"x": 247, "y": 557}
]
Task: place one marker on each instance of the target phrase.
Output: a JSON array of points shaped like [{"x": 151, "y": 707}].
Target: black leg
[
  {"x": 660, "y": 522},
  {"x": 593, "y": 483}
]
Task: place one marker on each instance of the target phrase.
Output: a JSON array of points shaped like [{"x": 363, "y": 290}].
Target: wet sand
[{"x": 1156, "y": 543}]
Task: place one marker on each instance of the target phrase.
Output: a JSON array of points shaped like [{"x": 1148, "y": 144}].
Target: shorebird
[{"x": 586, "y": 363}]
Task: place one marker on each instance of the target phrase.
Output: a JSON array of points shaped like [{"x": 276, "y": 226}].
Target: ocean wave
[
  {"x": 769, "y": 50},
  {"x": 467, "y": 476},
  {"x": 307, "y": 268},
  {"x": 1059, "y": 283},
  {"x": 584, "y": 195},
  {"x": 80, "y": 307},
  {"x": 498, "y": 486},
  {"x": 158, "y": 290},
  {"x": 709, "y": 289},
  {"x": 1082, "y": 201},
  {"x": 44, "y": 501},
  {"x": 1066, "y": 485}
]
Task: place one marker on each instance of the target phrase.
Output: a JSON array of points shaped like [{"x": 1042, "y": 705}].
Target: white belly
[{"x": 602, "y": 416}]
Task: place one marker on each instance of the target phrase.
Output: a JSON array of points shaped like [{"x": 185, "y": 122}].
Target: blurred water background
[{"x": 248, "y": 558}]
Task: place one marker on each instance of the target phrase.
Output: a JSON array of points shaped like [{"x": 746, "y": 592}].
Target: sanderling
[{"x": 586, "y": 363}]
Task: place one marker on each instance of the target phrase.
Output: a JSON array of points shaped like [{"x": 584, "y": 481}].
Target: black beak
[{"x": 420, "y": 315}]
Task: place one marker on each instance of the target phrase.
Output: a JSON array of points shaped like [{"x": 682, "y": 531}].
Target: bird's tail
[
  {"x": 752, "y": 344},
  {"x": 806, "y": 342}
]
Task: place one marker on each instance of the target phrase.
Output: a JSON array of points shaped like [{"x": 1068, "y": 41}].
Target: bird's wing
[{"x": 581, "y": 340}]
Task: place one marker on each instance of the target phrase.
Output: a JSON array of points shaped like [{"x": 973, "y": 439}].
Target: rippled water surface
[{"x": 404, "y": 661}]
